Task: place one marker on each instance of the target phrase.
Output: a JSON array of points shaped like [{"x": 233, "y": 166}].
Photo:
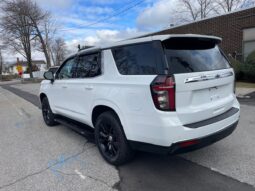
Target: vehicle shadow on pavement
[
  {"x": 152, "y": 172},
  {"x": 248, "y": 99},
  {"x": 158, "y": 172}
]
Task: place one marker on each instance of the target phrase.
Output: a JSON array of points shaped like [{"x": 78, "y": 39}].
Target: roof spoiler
[
  {"x": 215, "y": 39},
  {"x": 191, "y": 42}
]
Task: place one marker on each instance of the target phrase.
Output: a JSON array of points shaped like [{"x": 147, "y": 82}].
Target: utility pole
[
  {"x": 1, "y": 64},
  {"x": 2, "y": 47}
]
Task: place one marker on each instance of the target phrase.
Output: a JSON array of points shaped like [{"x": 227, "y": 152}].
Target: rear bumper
[
  {"x": 210, "y": 121},
  {"x": 185, "y": 146},
  {"x": 165, "y": 128}
]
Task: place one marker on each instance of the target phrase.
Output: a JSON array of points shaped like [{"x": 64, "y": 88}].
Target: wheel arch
[
  {"x": 42, "y": 95},
  {"x": 98, "y": 110},
  {"x": 101, "y": 107}
]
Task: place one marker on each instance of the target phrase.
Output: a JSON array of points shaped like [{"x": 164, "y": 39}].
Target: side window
[
  {"x": 140, "y": 59},
  {"x": 89, "y": 66},
  {"x": 68, "y": 69}
]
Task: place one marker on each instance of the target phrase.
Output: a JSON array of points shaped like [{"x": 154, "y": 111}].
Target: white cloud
[
  {"x": 103, "y": 2},
  {"x": 71, "y": 20},
  {"x": 95, "y": 10},
  {"x": 91, "y": 40},
  {"x": 89, "y": 37},
  {"x": 11, "y": 57},
  {"x": 156, "y": 16},
  {"x": 109, "y": 36},
  {"x": 55, "y": 4},
  {"x": 99, "y": 37},
  {"x": 79, "y": 24}
]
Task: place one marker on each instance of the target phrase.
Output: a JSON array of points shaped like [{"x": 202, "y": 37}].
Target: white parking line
[{"x": 80, "y": 174}]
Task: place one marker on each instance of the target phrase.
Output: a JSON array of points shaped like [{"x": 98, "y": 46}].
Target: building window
[{"x": 248, "y": 41}]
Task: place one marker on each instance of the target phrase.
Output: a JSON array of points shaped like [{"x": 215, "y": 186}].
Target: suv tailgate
[
  {"x": 203, "y": 77},
  {"x": 203, "y": 95}
]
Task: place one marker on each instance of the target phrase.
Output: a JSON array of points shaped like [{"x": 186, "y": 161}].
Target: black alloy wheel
[
  {"x": 111, "y": 140},
  {"x": 108, "y": 140},
  {"x": 48, "y": 116}
]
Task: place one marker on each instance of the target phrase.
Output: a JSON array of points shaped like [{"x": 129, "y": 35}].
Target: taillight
[
  {"x": 188, "y": 143},
  {"x": 163, "y": 93},
  {"x": 234, "y": 85}
]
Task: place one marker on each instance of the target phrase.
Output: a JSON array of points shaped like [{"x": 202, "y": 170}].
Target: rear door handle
[{"x": 64, "y": 87}]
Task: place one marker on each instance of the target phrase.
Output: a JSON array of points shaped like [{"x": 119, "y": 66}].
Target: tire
[
  {"x": 48, "y": 116},
  {"x": 111, "y": 140}
]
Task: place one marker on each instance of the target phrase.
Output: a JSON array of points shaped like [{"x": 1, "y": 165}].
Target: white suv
[{"x": 165, "y": 94}]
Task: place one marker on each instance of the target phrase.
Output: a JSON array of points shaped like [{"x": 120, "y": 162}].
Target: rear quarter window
[{"x": 140, "y": 59}]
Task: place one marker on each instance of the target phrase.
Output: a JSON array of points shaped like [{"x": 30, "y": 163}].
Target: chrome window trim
[{"x": 207, "y": 77}]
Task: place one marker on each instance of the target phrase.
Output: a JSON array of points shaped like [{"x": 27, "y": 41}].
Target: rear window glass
[
  {"x": 140, "y": 59},
  {"x": 194, "y": 55}
]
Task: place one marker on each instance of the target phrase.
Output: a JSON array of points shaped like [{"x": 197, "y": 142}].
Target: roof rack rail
[{"x": 80, "y": 48}]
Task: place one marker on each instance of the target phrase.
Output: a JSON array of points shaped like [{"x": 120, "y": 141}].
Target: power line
[
  {"x": 117, "y": 13},
  {"x": 111, "y": 16}
]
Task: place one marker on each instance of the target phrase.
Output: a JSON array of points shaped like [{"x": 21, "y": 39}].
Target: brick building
[{"x": 237, "y": 29}]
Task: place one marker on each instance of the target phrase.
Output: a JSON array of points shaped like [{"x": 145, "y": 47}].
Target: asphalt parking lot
[{"x": 36, "y": 157}]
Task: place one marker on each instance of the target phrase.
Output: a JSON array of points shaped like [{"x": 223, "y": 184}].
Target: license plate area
[{"x": 214, "y": 93}]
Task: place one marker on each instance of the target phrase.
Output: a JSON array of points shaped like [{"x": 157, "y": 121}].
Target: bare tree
[
  {"x": 226, "y": 6},
  {"x": 40, "y": 20},
  {"x": 192, "y": 10},
  {"x": 195, "y": 9},
  {"x": 186, "y": 11},
  {"x": 16, "y": 28},
  {"x": 49, "y": 31},
  {"x": 58, "y": 51},
  {"x": 206, "y": 7},
  {"x": 1, "y": 64}
]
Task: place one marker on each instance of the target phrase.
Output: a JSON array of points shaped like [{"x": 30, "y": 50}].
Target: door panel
[
  {"x": 80, "y": 94},
  {"x": 61, "y": 100},
  {"x": 81, "y": 89},
  {"x": 58, "y": 89}
]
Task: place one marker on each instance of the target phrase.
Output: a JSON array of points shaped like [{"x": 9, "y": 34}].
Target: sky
[{"x": 93, "y": 22}]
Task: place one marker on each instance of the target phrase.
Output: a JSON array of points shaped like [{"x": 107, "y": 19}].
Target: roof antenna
[{"x": 79, "y": 47}]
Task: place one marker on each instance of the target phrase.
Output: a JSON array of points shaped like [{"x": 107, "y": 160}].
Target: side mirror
[{"x": 49, "y": 76}]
